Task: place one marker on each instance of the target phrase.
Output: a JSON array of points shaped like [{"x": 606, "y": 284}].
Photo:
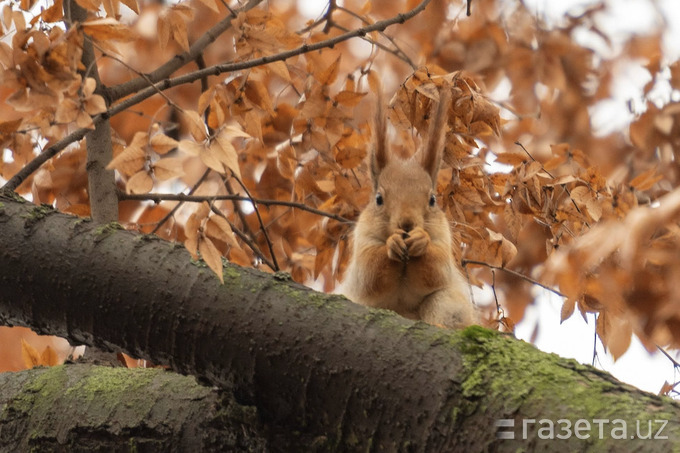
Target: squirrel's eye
[
  {"x": 433, "y": 200},
  {"x": 379, "y": 199}
]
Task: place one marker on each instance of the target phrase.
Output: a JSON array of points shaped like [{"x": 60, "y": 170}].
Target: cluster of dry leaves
[{"x": 270, "y": 156}]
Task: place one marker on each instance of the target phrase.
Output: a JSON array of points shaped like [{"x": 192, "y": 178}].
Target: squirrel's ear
[
  {"x": 379, "y": 153},
  {"x": 432, "y": 154}
]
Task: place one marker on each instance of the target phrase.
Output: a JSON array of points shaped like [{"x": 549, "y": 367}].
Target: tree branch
[
  {"x": 263, "y": 228},
  {"x": 195, "y": 51},
  {"x": 318, "y": 369},
  {"x": 514, "y": 273},
  {"x": 101, "y": 182},
  {"x": 158, "y": 197}
]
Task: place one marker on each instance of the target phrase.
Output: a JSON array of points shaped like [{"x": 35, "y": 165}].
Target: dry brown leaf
[
  {"x": 280, "y": 69},
  {"x": 133, "y": 157},
  {"x": 162, "y": 144},
  {"x": 196, "y": 125},
  {"x": 646, "y": 179},
  {"x": 349, "y": 98},
  {"x": 107, "y": 29},
  {"x": 90, "y": 5},
  {"x": 211, "y": 256},
  {"x": 168, "y": 168},
  {"x": 49, "y": 357},
  {"x": 140, "y": 182},
  {"x": 328, "y": 75},
  {"x": 568, "y": 307},
  {"x": 54, "y": 13},
  {"x": 29, "y": 354}
]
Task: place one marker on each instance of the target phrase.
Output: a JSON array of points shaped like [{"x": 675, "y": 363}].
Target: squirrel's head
[{"x": 404, "y": 190}]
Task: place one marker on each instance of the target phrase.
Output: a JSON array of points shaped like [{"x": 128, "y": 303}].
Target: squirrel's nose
[{"x": 406, "y": 225}]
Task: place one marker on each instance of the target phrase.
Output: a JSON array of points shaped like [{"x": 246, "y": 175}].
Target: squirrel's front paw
[
  {"x": 396, "y": 246},
  {"x": 417, "y": 242}
]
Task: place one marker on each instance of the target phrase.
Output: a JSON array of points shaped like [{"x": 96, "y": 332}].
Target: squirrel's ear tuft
[
  {"x": 432, "y": 154},
  {"x": 379, "y": 152}
]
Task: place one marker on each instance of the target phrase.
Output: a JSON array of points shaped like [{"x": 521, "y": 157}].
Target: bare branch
[
  {"x": 244, "y": 237},
  {"x": 172, "y": 212},
  {"x": 514, "y": 273},
  {"x": 259, "y": 219},
  {"x": 158, "y": 197}
]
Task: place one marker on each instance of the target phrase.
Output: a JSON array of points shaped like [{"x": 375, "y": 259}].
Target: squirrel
[{"x": 402, "y": 257}]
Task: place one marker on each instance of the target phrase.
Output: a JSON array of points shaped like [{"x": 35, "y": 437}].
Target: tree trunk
[
  {"x": 101, "y": 182},
  {"x": 323, "y": 373}
]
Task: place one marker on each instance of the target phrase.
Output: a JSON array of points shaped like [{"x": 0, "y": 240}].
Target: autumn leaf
[
  {"x": 330, "y": 73},
  {"x": 140, "y": 182},
  {"x": 107, "y": 29},
  {"x": 646, "y": 179},
  {"x": 30, "y": 355},
  {"x": 49, "y": 357},
  {"x": 167, "y": 168},
  {"x": 211, "y": 256},
  {"x": 133, "y": 157},
  {"x": 162, "y": 144}
]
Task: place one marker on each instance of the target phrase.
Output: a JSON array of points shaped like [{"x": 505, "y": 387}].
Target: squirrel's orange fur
[{"x": 402, "y": 256}]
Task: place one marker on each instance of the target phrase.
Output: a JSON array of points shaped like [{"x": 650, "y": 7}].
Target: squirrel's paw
[
  {"x": 396, "y": 246},
  {"x": 417, "y": 242}
]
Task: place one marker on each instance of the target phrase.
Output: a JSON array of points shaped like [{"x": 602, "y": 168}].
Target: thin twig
[
  {"x": 139, "y": 74},
  {"x": 176, "y": 62},
  {"x": 158, "y": 197},
  {"x": 239, "y": 212},
  {"x": 244, "y": 237},
  {"x": 668, "y": 356},
  {"x": 514, "y": 273},
  {"x": 259, "y": 219},
  {"x": 332, "y": 5},
  {"x": 397, "y": 52},
  {"x": 594, "y": 344},
  {"x": 177, "y": 206}
]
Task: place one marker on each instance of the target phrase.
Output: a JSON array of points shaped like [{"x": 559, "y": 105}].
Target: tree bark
[
  {"x": 85, "y": 408},
  {"x": 323, "y": 373},
  {"x": 101, "y": 182}
]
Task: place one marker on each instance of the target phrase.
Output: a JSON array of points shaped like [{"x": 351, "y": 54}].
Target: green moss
[
  {"x": 37, "y": 213},
  {"x": 231, "y": 272},
  {"x": 110, "y": 385},
  {"x": 283, "y": 276},
  {"x": 507, "y": 376},
  {"x": 12, "y": 195},
  {"x": 41, "y": 392},
  {"x": 108, "y": 228}
]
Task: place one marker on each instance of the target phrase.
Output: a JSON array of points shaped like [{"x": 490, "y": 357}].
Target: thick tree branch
[
  {"x": 101, "y": 182},
  {"x": 338, "y": 375},
  {"x": 84, "y": 408}
]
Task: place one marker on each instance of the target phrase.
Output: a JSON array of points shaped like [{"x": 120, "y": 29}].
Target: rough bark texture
[
  {"x": 101, "y": 182},
  {"x": 323, "y": 373},
  {"x": 85, "y": 408}
]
